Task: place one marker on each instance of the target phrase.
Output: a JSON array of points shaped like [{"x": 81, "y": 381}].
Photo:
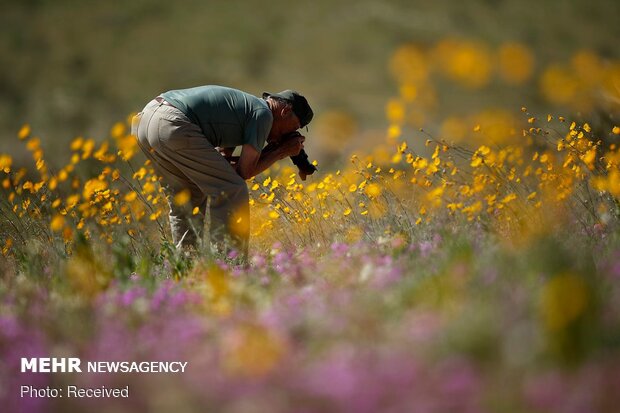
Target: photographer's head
[{"x": 291, "y": 111}]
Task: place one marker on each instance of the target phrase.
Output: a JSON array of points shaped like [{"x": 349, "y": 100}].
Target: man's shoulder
[
  {"x": 225, "y": 90},
  {"x": 263, "y": 114},
  {"x": 254, "y": 102},
  {"x": 258, "y": 106}
]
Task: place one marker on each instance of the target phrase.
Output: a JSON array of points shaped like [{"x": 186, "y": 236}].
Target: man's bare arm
[{"x": 252, "y": 162}]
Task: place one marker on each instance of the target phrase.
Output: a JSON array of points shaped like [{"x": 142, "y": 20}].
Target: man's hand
[
  {"x": 291, "y": 146},
  {"x": 300, "y": 159},
  {"x": 251, "y": 162}
]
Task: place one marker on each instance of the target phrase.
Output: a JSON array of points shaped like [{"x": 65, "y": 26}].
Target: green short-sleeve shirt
[{"x": 228, "y": 117}]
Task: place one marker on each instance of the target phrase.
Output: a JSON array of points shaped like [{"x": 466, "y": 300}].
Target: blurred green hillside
[{"x": 75, "y": 67}]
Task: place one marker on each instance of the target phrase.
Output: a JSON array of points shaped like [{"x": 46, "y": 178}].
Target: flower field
[{"x": 463, "y": 263}]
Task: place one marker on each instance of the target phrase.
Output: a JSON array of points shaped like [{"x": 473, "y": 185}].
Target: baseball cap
[{"x": 301, "y": 108}]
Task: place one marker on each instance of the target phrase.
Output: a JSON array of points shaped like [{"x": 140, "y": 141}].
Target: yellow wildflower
[
  {"x": 139, "y": 174},
  {"x": 395, "y": 111},
  {"x": 476, "y": 161},
  {"x": 182, "y": 198},
  {"x": 509, "y": 198},
  {"x": 77, "y": 143},
  {"x": 57, "y": 223},
  {"x": 5, "y": 163},
  {"x": 93, "y": 186},
  {"x": 7, "y": 246},
  {"x": 24, "y": 132},
  {"x": 516, "y": 63},
  {"x": 373, "y": 190}
]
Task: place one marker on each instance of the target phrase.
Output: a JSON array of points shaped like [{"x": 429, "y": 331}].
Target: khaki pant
[{"x": 185, "y": 160}]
